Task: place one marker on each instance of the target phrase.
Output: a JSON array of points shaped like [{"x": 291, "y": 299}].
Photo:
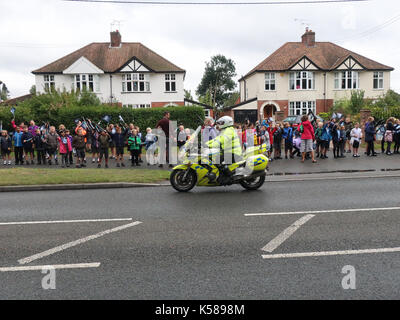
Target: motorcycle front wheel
[
  {"x": 253, "y": 184},
  {"x": 183, "y": 183}
]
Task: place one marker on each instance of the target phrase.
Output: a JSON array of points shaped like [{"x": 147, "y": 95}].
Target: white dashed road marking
[
  {"x": 75, "y": 243},
  {"x": 285, "y": 234},
  {"x": 63, "y": 221},
  {"x": 55, "y": 266}
]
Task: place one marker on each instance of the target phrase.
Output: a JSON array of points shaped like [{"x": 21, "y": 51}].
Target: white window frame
[
  {"x": 88, "y": 81},
  {"x": 343, "y": 78},
  {"x": 135, "y": 82},
  {"x": 49, "y": 82},
  {"x": 378, "y": 79},
  {"x": 302, "y": 80},
  {"x": 170, "y": 82},
  {"x": 270, "y": 81},
  {"x": 298, "y": 108}
]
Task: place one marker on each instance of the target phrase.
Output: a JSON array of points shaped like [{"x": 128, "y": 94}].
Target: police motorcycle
[{"x": 200, "y": 169}]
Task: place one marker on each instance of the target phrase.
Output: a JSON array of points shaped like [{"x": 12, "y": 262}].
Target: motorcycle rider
[{"x": 229, "y": 145}]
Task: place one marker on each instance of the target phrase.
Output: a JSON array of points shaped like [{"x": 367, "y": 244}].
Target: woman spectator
[
  {"x": 307, "y": 138},
  {"x": 370, "y": 137},
  {"x": 348, "y": 126},
  {"x": 277, "y": 142}
]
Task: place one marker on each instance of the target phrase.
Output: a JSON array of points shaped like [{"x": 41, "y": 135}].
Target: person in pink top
[
  {"x": 65, "y": 147},
  {"x": 307, "y": 138}
]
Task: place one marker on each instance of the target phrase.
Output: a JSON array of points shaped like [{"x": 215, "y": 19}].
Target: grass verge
[{"x": 25, "y": 176}]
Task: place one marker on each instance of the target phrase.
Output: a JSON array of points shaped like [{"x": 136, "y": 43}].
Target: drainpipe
[
  {"x": 324, "y": 92},
  {"x": 111, "y": 93}
]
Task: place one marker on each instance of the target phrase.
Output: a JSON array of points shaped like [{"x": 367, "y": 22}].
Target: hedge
[
  {"x": 380, "y": 113},
  {"x": 190, "y": 117}
]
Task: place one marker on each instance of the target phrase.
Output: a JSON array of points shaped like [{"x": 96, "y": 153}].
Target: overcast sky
[{"x": 37, "y": 32}]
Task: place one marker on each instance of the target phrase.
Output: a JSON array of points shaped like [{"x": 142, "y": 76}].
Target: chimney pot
[
  {"x": 308, "y": 38},
  {"x": 115, "y": 39}
]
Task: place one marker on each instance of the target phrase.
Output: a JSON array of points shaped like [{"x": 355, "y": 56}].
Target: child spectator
[
  {"x": 325, "y": 137},
  {"x": 336, "y": 140},
  {"x": 277, "y": 141},
  {"x": 104, "y": 143},
  {"x": 287, "y": 135},
  {"x": 181, "y": 136},
  {"x": 18, "y": 149},
  {"x": 39, "y": 146},
  {"x": 27, "y": 143},
  {"x": 65, "y": 147},
  {"x": 5, "y": 147},
  {"x": 134, "y": 144},
  {"x": 111, "y": 131},
  {"x": 296, "y": 143},
  {"x": 356, "y": 135},
  {"x": 95, "y": 146},
  {"x": 70, "y": 153},
  {"x": 150, "y": 147},
  {"x": 343, "y": 138},
  {"x": 52, "y": 142},
  {"x": 79, "y": 143},
  {"x": 318, "y": 135},
  {"x": 396, "y": 136},
  {"x": 119, "y": 138}
]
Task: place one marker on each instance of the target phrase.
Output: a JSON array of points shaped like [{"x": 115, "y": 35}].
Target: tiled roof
[
  {"x": 112, "y": 59},
  {"x": 325, "y": 55}
]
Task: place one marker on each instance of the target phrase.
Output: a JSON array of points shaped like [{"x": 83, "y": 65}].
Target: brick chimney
[
  {"x": 308, "y": 38},
  {"x": 115, "y": 39}
]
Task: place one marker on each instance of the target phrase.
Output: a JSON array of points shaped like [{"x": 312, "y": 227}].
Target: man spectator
[{"x": 164, "y": 125}]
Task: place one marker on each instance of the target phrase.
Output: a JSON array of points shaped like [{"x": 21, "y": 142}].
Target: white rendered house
[{"x": 117, "y": 72}]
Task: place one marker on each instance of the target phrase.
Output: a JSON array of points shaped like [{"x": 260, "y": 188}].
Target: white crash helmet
[{"x": 225, "y": 122}]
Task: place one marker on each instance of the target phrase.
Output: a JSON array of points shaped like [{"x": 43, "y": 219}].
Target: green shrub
[
  {"x": 64, "y": 108},
  {"x": 380, "y": 113}
]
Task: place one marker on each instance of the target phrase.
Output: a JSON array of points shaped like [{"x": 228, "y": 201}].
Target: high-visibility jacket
[{"x": 227, "y": 141}]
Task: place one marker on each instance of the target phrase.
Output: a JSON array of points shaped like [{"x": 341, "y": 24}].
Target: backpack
[{"x": 389, "y": 136}]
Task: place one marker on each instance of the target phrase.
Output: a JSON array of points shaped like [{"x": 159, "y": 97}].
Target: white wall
[{"x": 157, "y": 88}]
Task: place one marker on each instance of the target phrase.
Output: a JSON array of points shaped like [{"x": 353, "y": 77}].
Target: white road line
[
  {"x": 285, "y": 234},
  {"x": 63, "y": 221},
  {"x": 329, "y": 253},
  {"x": 75, "y": 243},
  {"x": 55, "y": 266},
  {"x": 321, "y": 211}
]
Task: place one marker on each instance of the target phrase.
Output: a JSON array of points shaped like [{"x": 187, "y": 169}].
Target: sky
[{"x": 37, "y": 32}]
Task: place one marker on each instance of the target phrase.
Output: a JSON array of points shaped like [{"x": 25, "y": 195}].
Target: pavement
[{"x": 288, "y": 240}]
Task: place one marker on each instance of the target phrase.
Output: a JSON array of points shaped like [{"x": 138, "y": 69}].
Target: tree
[
  {"x": 232, "y": 98},
  {"x": 188, "y": 94},
  {"x": 4, "y": 93},
  {"x": 217, "y": 80},
  {"x": 32, "y": 90}
]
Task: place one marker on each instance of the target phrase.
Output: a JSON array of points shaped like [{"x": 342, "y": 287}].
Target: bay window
[
  {"x": 297, "y": 108},
  {"x": 49, "y": 82},
  {"x": 170, "y": 82}
]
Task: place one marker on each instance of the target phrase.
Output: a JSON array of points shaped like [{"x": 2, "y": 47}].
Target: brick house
[
  {"x": 117, "y": 72},
  {"x": 305, "y": 75}
]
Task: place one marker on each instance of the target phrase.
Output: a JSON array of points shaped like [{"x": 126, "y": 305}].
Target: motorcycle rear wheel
[
  {"x": 177, "y": 182},
  {"x": 253, "y": 184}
]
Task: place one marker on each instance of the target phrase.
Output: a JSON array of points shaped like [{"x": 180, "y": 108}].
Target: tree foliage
[{"x": 217, "y": 81}]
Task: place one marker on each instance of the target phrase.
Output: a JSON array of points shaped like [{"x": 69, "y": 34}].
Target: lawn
[{"x": 27, "y": 176}]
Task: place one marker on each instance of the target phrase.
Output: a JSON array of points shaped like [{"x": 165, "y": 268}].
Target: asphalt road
[{"x": 200, "y": 245}]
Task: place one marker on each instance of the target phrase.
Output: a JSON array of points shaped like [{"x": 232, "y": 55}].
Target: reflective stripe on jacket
[{"x": 228, "y": 139}]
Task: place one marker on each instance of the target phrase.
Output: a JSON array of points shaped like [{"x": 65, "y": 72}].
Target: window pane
[
  {"x": 380, "y": 83},
  {"x": 173, "y": 86},
  {"x": 273, "y": 85},
  {"x": 167, "y": 86},
  {"x": 147, "y": 86},
  {"x": 129, "y": 86},
  {"x": 135, "y": 86},
  {"x": 172, "y": 76},
  {"x": 91, "y": 86},
  {"x": 141, "y": 86},
  {"x": 167, "y": 77}
]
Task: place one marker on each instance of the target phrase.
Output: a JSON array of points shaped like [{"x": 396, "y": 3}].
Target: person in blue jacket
[
  {"x": 18, "y": 149},
  {"x": 326, "y": 138}
]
